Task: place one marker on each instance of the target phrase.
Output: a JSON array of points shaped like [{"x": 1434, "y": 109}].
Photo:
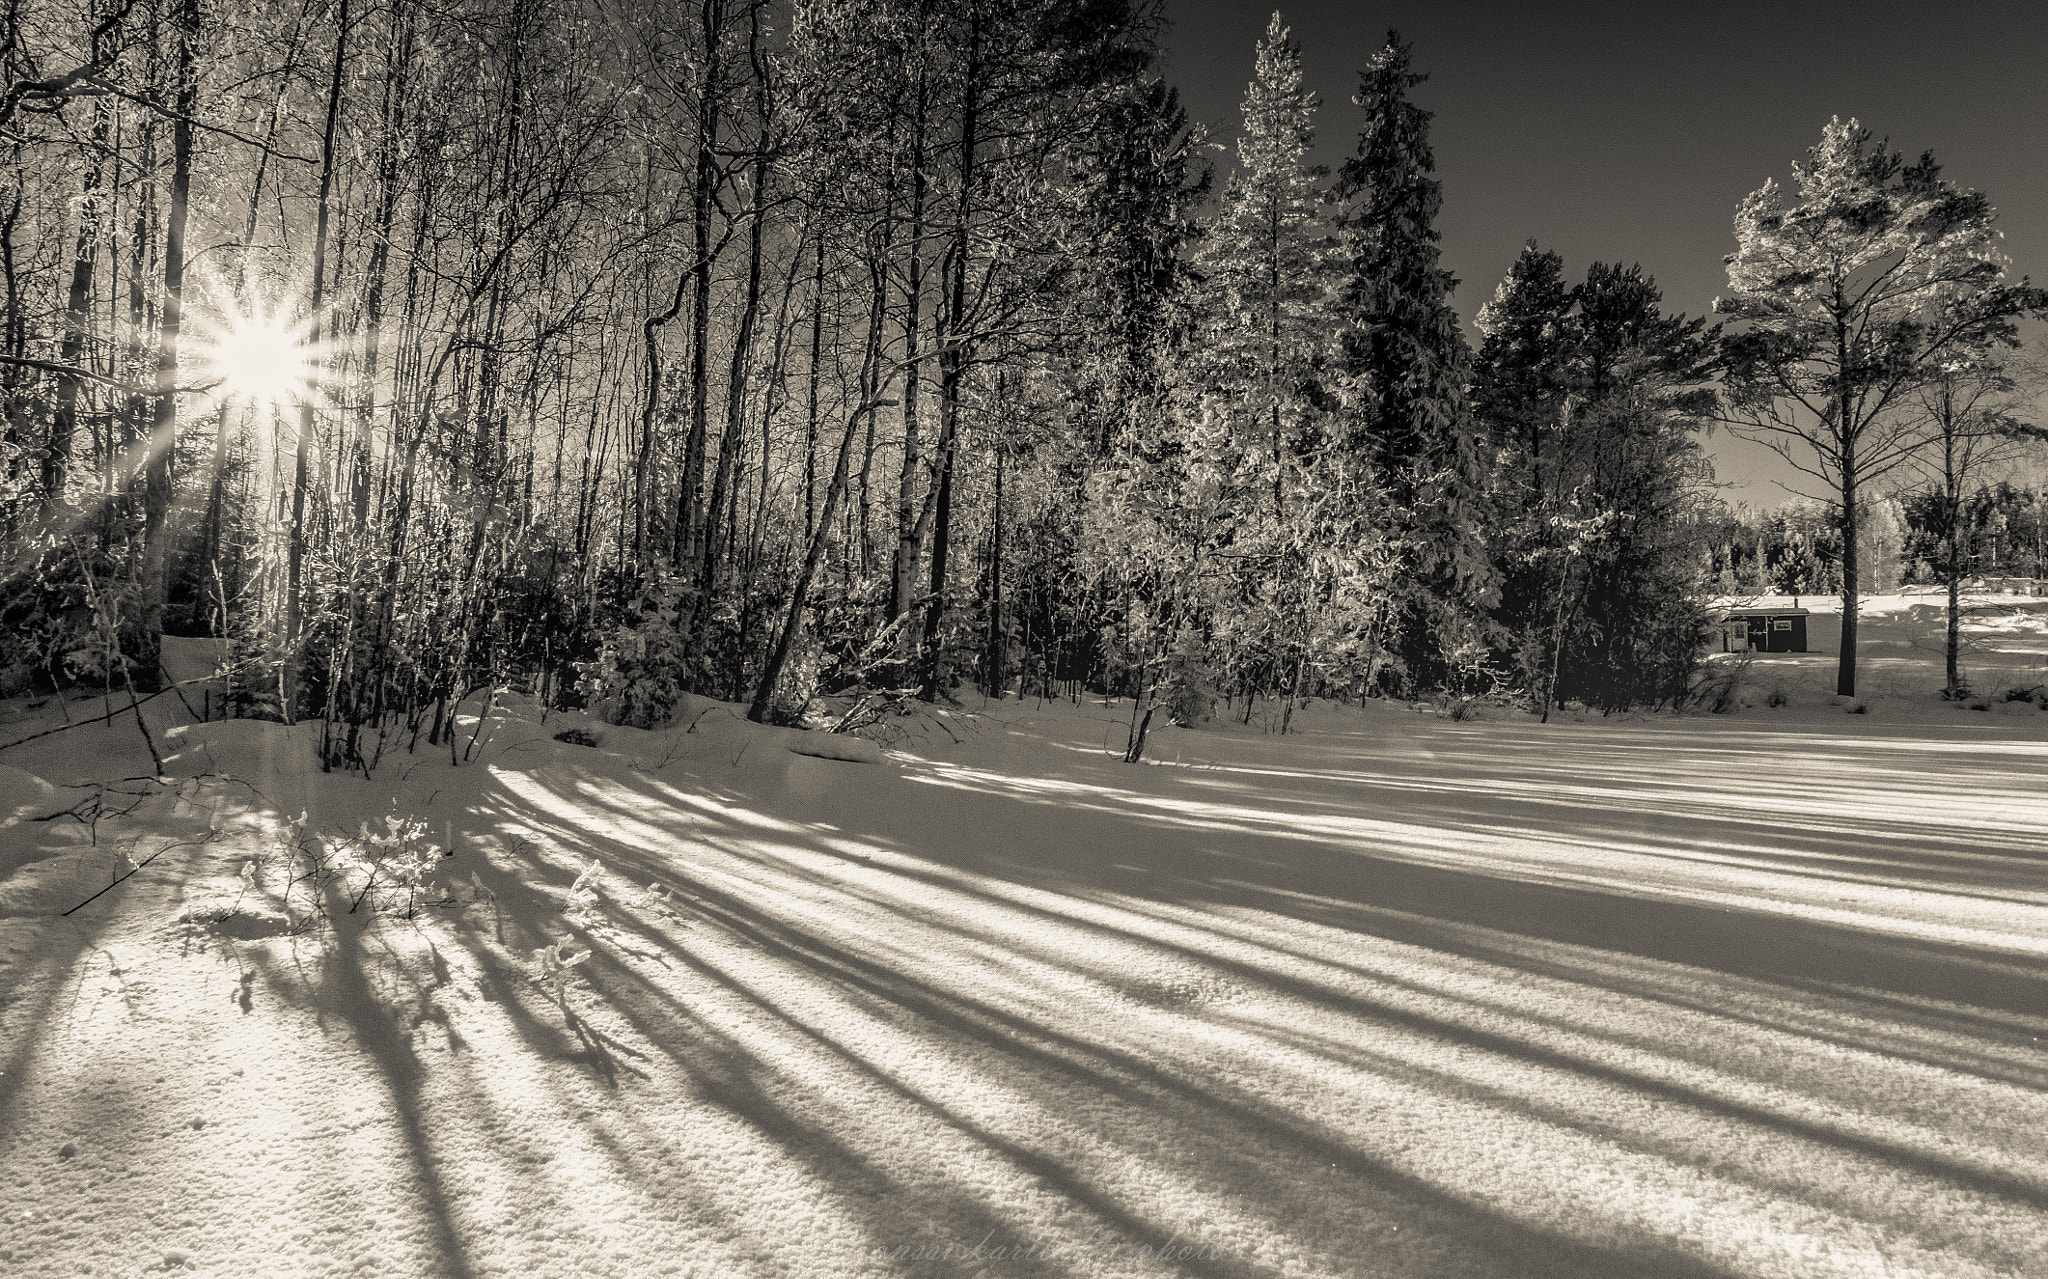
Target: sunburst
[{"x": 258, "y": 357}]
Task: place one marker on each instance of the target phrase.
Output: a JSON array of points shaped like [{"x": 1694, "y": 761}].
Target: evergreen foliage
[
  {"x": 1848, "y": 302},
  {"x": 1406, "y": 368},
  {"x": 1593, "y": 398}
]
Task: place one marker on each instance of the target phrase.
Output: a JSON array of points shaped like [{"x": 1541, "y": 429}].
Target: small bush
[
  {"x": 1777, "y": 698},
  {"x": 643, "y": 667},
  {"x": 1720, "y": 690},
  {"x": 578, "y": 737}
]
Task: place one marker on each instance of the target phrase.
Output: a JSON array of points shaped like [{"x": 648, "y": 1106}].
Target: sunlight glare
[{"x": 258, "y": 359}]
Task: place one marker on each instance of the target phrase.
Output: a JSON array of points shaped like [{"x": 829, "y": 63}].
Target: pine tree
[
  {"x": 1593, "y": 395},
  {"x": 1852, "y": 299},
  {"x": 1518, "y": 382}
]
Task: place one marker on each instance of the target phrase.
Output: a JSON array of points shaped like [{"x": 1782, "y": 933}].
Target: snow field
[{"x": 1750, "y": 995}]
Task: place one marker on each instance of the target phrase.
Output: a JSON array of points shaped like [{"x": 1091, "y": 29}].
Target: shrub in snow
[
  {"x": 578, "y": 737},
  {"x": 1720, "y": 690},
  {"x": 643, "y": 668},
  {"x": 555, "y": 967},
  {"x": 583, "y": 901},
  {"x": 1469, "y": 679},
  {"x": 1185, "y": 682},
  {"x": 398, "y": 860},
  {"x": 389, "y": 872}
]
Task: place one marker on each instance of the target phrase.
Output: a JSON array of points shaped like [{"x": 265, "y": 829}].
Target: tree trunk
[
  {"x": 690, "y": 512},
  {"x": 811, "y": 403},
  {"x": 908, "y": 550},
  {"x": 821, "y": 534},
  {"x": 725, "y": 485},
  {"x": 394, "y": 124},
  {"x": 71, "y": 352},
  {"x": 156, "y": 485},
  {"x": 992, "y": 662},
  {"x": 954, "y": 356},
  {"x": 1953, "y": 648},
  {"x": 1845, "y": 665},
  {"x": 301, "y": 459}
]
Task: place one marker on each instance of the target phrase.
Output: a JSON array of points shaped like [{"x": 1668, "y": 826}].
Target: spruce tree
[
  {"x": 1254, "y": 401},
  {"x": 1262, "y": 293},
  {"x": 1518, "y": 381},
  {"x": 1406, "y": 364},
  {"x": 1593, "y": 396}
]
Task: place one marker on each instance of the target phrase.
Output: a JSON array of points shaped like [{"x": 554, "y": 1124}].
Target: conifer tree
[
  {"x": 1852, "y": 299},
  {"x": 1406, "y": 363},
  {"x": 1519, "y": 384},
  {"x": 1252, "y": 400},
  {"x": 1263, "y": 294},
  {"x": 1593, "y": 395}
]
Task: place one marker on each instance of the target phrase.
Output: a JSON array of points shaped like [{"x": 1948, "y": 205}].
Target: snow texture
[{"x": 1758, "y": 994}]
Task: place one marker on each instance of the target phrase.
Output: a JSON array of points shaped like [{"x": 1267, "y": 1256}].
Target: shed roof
[{"x": 1734, "y": 613}]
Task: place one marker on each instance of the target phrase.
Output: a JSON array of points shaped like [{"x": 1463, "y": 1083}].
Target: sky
[{"x": 1630, "y": 131}]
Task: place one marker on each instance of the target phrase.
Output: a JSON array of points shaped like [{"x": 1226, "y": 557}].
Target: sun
[{"x": 257, "y": 358}]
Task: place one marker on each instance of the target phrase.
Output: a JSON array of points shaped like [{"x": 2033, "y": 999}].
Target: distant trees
[{"x": 1848, "y": 302}]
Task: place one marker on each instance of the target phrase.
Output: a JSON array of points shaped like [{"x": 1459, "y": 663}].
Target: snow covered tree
[
  {"x": 1850, "y": 300},
  {"x": 1254, "y": 396},
  {"x": 1593, "y": 394},
  {"x": 1519, "y": 382},
  {"x": 1122, "y": 481},
  {"x": 1405, "y": 362},
  {"x": 1264, "y": 303}
]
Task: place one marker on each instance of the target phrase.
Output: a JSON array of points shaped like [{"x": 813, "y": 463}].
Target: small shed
[{"x": 1764, "y": 630}]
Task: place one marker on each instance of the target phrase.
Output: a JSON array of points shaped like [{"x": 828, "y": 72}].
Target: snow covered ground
[{"x": 1760, "y": 994}]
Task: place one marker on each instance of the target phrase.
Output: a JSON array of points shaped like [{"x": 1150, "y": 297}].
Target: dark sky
[{"x": 1630, "y": 131}]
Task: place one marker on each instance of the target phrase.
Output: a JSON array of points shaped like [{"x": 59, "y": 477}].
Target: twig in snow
[{"x": 136, "y": 869}]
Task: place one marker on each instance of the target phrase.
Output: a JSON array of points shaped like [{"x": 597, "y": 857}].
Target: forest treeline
[{"x": 772, "y": 348}]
